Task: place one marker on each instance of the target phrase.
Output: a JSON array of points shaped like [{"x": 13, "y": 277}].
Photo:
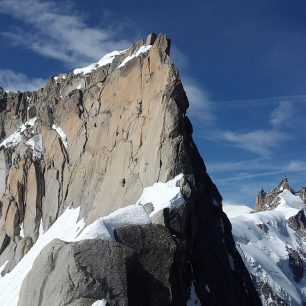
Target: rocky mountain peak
[
  {"x": 105, "y": 196},
  {"x": 269, "y": 200}
]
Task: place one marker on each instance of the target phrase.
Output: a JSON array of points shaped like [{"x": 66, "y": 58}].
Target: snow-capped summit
[{"x": 273, "y": 245}]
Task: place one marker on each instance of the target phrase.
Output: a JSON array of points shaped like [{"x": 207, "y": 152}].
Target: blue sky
[{"x": 243, "y": 65}]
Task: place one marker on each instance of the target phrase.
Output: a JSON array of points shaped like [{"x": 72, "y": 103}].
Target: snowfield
[
  {"x": 264, "y": 239},
  {"x": 68, "y": 228}
]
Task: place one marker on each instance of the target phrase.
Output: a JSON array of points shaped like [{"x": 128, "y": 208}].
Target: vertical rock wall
[{"x": 105, "y": 136}]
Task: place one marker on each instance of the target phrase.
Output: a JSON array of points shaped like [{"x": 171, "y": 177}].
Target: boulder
[
  {"x": 149, "y": 269},
  {"x": 86, "y": 271}
]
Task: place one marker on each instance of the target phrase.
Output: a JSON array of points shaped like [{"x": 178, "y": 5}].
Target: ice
[
  {"x": 102, "y": 302},
  {"x": 61, "y": 134},
  {"x": 142, "y": 49},
  {"x": 36, "y": 145},
  {"x": 14, "y": 139},
  {"x": 105, "y": 60}
]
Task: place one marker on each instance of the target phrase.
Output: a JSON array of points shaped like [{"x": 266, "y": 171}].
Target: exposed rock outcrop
[{"x": 95, "y": 138}]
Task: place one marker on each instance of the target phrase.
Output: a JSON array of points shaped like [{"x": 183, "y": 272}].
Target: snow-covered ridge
[
  {"x": 108, "y": 59},
  {"x": 265, "y": 240},
  {"x": 141, "y": 50},
  {"x": 14, "y": 139},
  {"x": 68, "y": 228},
  {"x": 105, "y": 60}
]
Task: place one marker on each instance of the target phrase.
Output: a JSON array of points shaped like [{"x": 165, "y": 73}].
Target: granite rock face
[
  {"x": 95, "y": 139},
  {"x": 67, "y": 272}
]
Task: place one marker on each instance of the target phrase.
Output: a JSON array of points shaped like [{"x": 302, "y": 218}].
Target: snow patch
[
  {"x": 61, "y": 134},
  {"x": 102, "y": 302},
  {"x": 14, "y": 139},
  {"x": 193, "y": 300},
  {"x": 35, "y": 143},
  {"x": 105, "y": 60},
  {"x": 3, "y": 266},
  {"x": 21, "y": 232},
  {"x": 59, "y": 77},
  {"x": 141, "y": 50},
  {"x": 163, "y": 195}
]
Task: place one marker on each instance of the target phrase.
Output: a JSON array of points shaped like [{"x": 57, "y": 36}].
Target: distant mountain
[
  {"x": 105, "y": 199},
  {"x": 272, "y": 243}
]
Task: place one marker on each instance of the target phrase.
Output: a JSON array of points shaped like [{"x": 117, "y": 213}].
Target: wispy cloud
[
  {"x": 13, "y": 81},
  {"x": 200, "y": 104},
  {"x": 292, "y": 167},
  {"x": 282, "y": 114},
  {"x": 274, "y": 162},
  {"x": 239, "y": 166},
  {"x": 296, "y": 165},
  {"x": 261, "y": 142},
  {"x": 179, "y": 58},
  {"x": 225, "y": 105},
  {"x": 58, "y": 31},
  {"x": 200, "y": 107}
]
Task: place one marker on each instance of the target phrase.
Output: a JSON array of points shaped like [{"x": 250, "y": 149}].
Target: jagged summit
[
  {"x": 105, "y": 196},
  {"x": 269, "y": 200}
]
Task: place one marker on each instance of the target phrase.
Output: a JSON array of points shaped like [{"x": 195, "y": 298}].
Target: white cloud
[
  {"x": 13, "y": 81},
  {"x": 261, "y": 142},
  {"x": 200, "y": 105},
  {"x": 59, "y": 31},
  {"x": 282, "y": 114},
  {"x": 179, "y": 58},
  {"x": 296, "y": 165}
]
